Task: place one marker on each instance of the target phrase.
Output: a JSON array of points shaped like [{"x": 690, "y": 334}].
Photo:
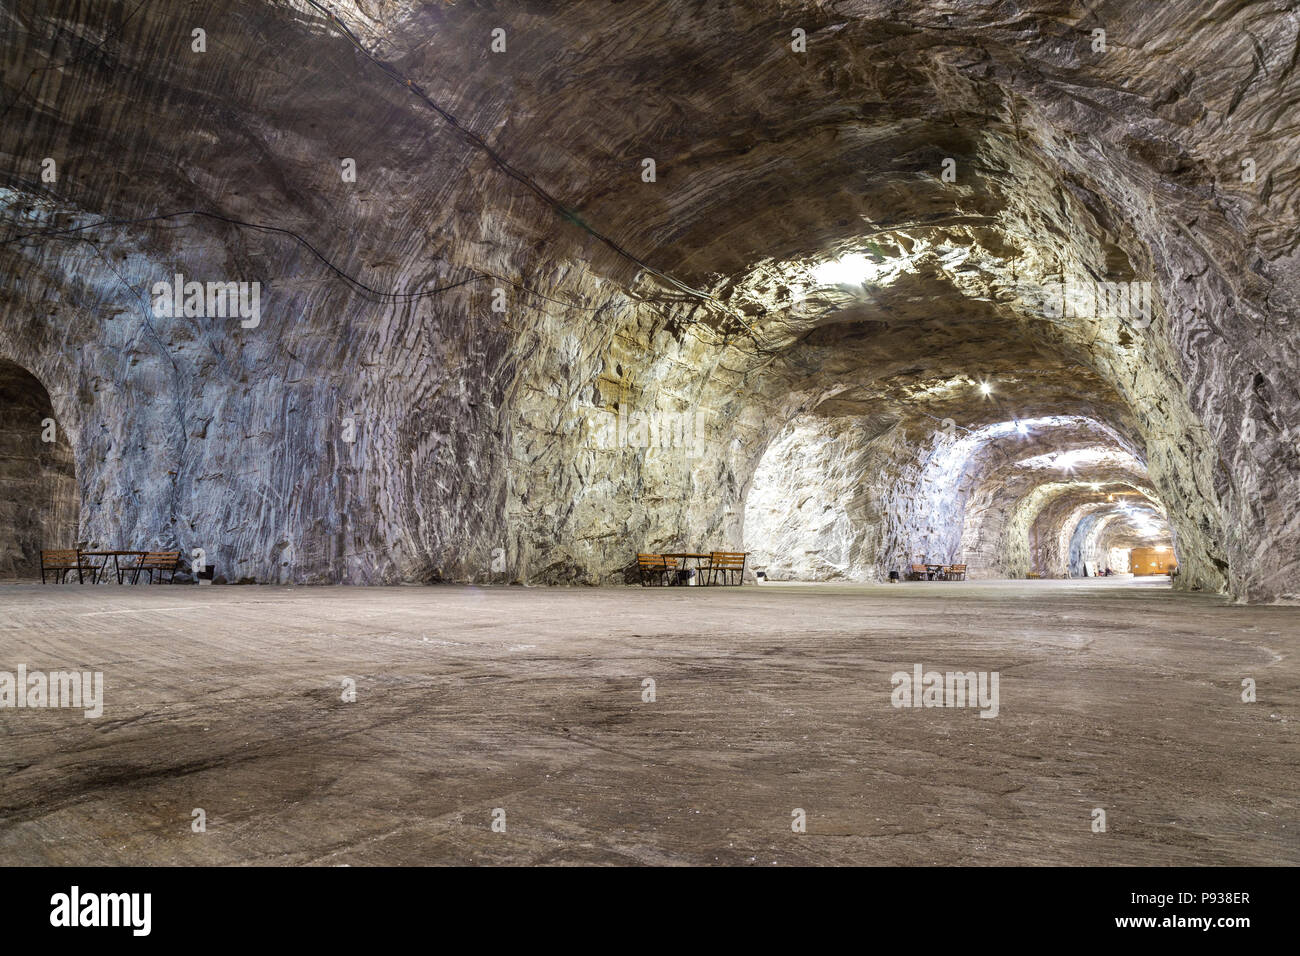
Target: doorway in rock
[
  {"x": 38, "y": 487},
  {"x": 1151, "y": 561}
]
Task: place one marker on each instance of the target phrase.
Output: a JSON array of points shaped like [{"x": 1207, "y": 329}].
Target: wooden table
[
  {"x": 695, "y": 556},
  {"x": 115, "y": 555},
  {"x": 701, "y": 559}
]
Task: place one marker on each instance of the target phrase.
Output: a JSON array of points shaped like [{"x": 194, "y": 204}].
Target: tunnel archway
[
  {"x": 842, "y": 498},
  {"x": 38, "y": 487},
  {"x": 1109, "y": 539}
]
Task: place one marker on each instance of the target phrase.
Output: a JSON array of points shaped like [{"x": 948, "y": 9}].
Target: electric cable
[{"x": 351, "y": 280}]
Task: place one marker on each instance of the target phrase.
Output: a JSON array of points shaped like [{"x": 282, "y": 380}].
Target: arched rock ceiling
[
  {"x": 1022, "y": 501},
  {"x": 522, "y": 170}
]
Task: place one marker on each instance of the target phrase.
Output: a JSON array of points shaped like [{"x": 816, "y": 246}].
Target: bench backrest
[
  {"x": 959, "y": 568},
  {"x": 59, "y": 559},
  {"x": 918, "y": 569},
  {"x": 160, "y": 559},
  {"x": 727, "y": 559},
  {"x": 650, "y": 560}
]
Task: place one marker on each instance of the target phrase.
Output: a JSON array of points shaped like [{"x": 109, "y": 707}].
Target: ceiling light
[
  {"x": 855, "y": 269},
  {"x": 985, "y": 388},
  {"x": 1096, "y": 486},
  {"x": 1022, "y": 428}
]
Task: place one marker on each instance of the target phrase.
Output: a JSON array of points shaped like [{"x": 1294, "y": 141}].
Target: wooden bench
[
  {"x": 655, "y": 566},
  {"x": 151, "y": 561},
  {"x": 61, "y": 561},
  {"x": 725, "y": 563},
  {"x": 919, "y": 573},
  {"x": 956, "y": 572}
]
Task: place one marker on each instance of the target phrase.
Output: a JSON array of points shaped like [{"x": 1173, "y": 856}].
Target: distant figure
[{"x": 1107, "y": 572}]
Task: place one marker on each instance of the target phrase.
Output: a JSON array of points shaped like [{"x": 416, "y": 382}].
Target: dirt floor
[{"x": 1114, "y": 694}]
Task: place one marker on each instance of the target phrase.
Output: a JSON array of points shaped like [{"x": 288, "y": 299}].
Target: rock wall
[{"x": 445, "y": 338}]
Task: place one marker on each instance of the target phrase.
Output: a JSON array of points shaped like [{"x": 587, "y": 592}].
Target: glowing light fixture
[
  {"x": 854, "y": 269},
  {"x": 985, "y": 388},
  {"x": 1096, "y": 486},
  {"x": 1022, "y": 428}
]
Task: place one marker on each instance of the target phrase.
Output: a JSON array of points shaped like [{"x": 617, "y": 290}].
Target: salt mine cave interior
[{"x": 970, "y": 328}]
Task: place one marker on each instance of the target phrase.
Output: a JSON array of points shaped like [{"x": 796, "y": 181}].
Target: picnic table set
[
  {"x": 703, "y": 568},
  {"x": 938, "y": 572},
  {"x": 59, "y": 564}
]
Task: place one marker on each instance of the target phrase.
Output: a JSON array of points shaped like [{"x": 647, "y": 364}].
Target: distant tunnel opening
[{"x": 38, "y": 487}]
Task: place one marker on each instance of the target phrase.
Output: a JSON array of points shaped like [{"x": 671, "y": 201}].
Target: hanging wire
[
  {"x": 351, "y": 280},
  {"x": 469, "y": 135},
  {"x": 523, "y": 178}
]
